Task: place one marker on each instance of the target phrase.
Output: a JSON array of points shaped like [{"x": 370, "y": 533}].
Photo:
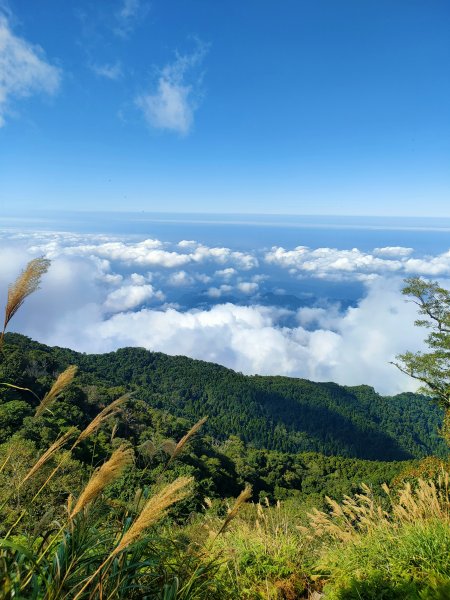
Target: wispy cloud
[
  {"x": 111, "y": 71},
  {"x": 172, "y": 103},
  {"x": 24, "y": 69},
  {"x": 129, "y": 14}
]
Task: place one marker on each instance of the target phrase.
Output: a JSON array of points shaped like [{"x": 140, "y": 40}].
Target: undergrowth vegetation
[
  {"x": 88, "y": 512},
  {"x": 394, "y": 549}
]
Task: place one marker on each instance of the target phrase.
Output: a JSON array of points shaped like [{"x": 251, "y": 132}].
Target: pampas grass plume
[
  {"x": 154, "y": 509},
  {"x": 27, "y": 283},
  {"x": 104, "y": 476},
  {"x": 102, "y": 416},
  {"x": 184, "y": 440},
  {"x": 175, "y": 449},
  {"x": 245, "y": 495},
  {"x": 49, "y": 453},
  {"x": 64, "y": 380}
]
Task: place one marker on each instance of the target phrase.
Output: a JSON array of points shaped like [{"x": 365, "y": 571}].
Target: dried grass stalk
[
  {"x": 184, "y": 440},
  {"x": 27, "y": 283},
  {"x": 361, "y": 513},
  {"x": 154, "y": 509},
  {"x": 63, "y": 380},
  {"x": 245, "y": 495},
  {"x": 102, "y": 416},
  {"x": 6, "y": 461},
  {"x": 104, "y": 476},
  {"x": 49, "y": 453},
  {"x": 114, "y": 431}
]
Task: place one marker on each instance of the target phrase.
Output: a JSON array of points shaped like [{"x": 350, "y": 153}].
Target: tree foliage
[
  {"x": 274, "y": 413},
  {"x": 431, "y": 368}
]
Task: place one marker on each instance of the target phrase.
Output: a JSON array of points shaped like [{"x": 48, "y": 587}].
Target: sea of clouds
[{"x": 183, "y": 297}]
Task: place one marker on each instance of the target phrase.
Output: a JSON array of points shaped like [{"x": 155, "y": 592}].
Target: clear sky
[{"x": 257, "y": 106}]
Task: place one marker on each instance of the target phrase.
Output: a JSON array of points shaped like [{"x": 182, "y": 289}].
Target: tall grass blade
[
  {"x": 63, "y": 380},
  {"x": 245, "y": 495},
  {"x": 59, "y": 443},
  {"x": 184, "y": 440},
  {"x": 104, "y": 476},
  {"x": 102, "y": 416}
]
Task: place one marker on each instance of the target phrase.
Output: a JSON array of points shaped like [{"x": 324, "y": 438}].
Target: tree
[{"x": 431, "y": 368}]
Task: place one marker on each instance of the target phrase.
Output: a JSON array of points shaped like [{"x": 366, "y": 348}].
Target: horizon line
[{"x": 112, "y": 211}]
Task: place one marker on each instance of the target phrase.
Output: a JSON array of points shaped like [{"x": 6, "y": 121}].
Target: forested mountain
[
  {"x": 274, "y": 413},
  {"x": 286, "y": 445}
]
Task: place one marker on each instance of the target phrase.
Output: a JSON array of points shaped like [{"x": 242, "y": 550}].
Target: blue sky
[{"x": 317, "y": 107}]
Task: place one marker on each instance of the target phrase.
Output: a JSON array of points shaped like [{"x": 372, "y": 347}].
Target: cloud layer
[
  {"x": 102, "y": 293},
  {"x": 355, "y": 264}
]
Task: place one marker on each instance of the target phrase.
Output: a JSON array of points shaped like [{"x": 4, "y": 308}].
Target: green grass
[{"x": 411, "y": 562}]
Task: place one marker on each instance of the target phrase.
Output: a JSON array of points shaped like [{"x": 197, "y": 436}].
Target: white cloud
[
  {"x": 394, "y": 251},
  {"x": 144, "y": 254},
  {"x": 319, "y": 317},
  {"x": 75, "y": 308},
  {"x": 128, "y": 9},
  {"x": 259, "y": 277},
  {"x": 113, "y": 279},
  {"x": 222, "y": 256},
  {"x": 171, "y": 106},
  {"x": 24, "y": 69},
  {"x": 247, "y": 287},
  {"x": 226, "y": 274},
  {"x": 431, "y": 266},
  {"x": 354, "y": 264},
  {"x": 70, "y": 286},
  {"x": 217, "y": 292},
  {"x": 137, "y": 279},
  {"x": 325, "y": 263},
  {"x": 350, "y": 348},
  {"x": 92, "y": 299},
  {"x": 188, "y": 244},
  {"x": 130, "y": 296},
  {"x": 180, "y": 279},
  {"x": 112, "y": 71},
  {"x": 202, "y": 277},
  {"x": 329, "y": 261}
]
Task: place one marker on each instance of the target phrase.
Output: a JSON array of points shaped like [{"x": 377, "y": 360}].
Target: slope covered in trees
[
  {"x": 257, "y": 445},
  {"x": 274, "y": 413}
]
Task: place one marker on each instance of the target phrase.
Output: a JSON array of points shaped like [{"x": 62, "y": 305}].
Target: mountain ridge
[{"x": 269, "y": 412}]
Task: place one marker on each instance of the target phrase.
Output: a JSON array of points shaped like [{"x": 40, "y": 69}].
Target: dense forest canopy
[{"x": 273, "y": 413}]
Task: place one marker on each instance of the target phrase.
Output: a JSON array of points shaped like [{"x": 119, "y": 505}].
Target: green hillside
[
  {"x": 274, "y": 413},
  {"x": 285, "y": 445}
]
